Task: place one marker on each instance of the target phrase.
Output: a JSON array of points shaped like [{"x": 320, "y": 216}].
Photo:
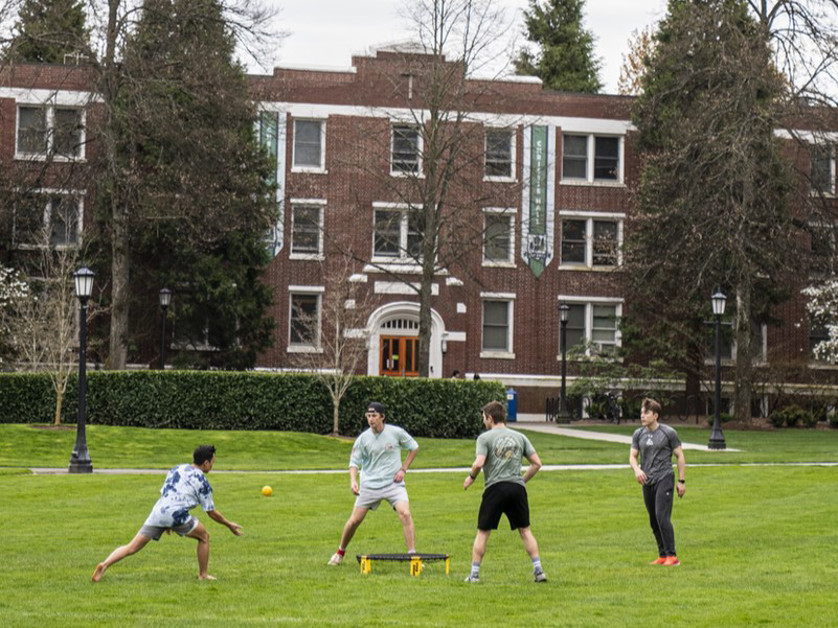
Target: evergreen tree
[
  {"x": 713, "y": 194},
  {"x": 47, "y": 30},
  {"x": 565, "y": 60},
  {"x": 200, "y": 190}
]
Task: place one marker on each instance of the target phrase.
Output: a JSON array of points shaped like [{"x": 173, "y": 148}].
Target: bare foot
[
  {"x": 207, "y": 577},
  {"x": 97, "y": 573}
]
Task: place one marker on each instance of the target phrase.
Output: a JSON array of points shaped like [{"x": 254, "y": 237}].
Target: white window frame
[
  {"x": 513, "y": 137},
  {"x": 589, "y": 303},
  {"x": 319, "y": 169},
  {"x": 828, "y": 234},
  {"x": 508, "y": 213},
  {"x": 49, "y": 195},
  {"x": 509, "y": 298},
  {"x": 590, "y": 218},
  {"x": 49, "y": 143},
  {"x": 827, "y": 150},
  {"x": 320, "y": 205},
  {"x": 590, "y": 160},
  {"x": 419, "y": 148},
  {"x": 317, "y": 292},
  {"x": 403, "y": 257}
]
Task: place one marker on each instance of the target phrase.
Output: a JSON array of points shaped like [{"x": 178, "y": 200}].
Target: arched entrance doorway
[{"x": 394, "y": 341}]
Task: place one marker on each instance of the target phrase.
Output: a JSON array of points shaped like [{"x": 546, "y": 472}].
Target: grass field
[{"x": 757, "y": 543}]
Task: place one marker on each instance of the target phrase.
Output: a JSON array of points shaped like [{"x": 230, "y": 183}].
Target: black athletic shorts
[{"x": 504, "y": 498}]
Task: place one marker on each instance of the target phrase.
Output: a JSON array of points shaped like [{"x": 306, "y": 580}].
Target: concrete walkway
[{"x": 528, "y": 422}]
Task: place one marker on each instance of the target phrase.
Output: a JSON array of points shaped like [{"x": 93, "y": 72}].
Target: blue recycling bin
[{"x": 511, "y": 405}]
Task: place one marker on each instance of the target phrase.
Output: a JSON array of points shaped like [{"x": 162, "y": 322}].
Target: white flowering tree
[
  {"x": 823, "y": 308},
  {"x": 13, "y": 291}
]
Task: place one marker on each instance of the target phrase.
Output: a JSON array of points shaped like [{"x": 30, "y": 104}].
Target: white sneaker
[
  {"x": 540, "y": 577},
  {"x": 470, "y": 578},
  {"x": 336, "y": 559}
]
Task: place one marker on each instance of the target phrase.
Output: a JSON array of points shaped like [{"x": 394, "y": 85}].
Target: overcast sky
[{"x": 328, "y": 32}]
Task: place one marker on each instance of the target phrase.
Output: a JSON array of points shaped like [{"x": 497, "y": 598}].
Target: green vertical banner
[
  {"x": 269, "y": 135},
  {"x": 536, "y": 220},
  {"x": 269, "y": 139}
]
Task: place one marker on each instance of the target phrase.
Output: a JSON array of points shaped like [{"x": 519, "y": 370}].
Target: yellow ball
[{"x": 267, "y": 491}]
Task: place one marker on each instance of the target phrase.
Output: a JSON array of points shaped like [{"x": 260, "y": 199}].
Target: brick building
[{"x": 536, "y": 214}]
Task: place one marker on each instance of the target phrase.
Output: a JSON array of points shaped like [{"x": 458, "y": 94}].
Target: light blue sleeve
[
  {"x": 356, "y": 458},
  {"x": 407, "y": 441}
]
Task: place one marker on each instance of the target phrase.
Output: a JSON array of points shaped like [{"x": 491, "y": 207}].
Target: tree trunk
[
  {"x": 59, "y": 402},
  {"x": 119, "y": 288},
  {"x": 744, "y": 369}
]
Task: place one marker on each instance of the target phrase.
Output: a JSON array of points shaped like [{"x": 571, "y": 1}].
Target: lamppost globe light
[
  {"x": 165, "y": 298},
  {"x": 719, "y": 300},
  {"x": 564, "y": 312},
  {"x": 83, "y": 279}
]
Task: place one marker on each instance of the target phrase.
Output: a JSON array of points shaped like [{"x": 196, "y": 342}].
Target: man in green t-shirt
[{"x": 499, "y": 454}]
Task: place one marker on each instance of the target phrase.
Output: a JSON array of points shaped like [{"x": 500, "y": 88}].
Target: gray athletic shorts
[
  {"x": 155, "y": 532},
  {"x": 370, "y": 498}
]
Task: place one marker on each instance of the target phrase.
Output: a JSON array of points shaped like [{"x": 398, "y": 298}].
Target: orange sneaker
[
  {"x": 660, "y": 560},
  {"x": 671, "y": 561}
]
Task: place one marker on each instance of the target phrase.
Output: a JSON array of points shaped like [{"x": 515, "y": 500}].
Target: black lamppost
[
  {"x": 717, "y": 437},
  {"x": 80, "y": 461},
  {"x": 165, "y": 301},
  {"x": 564, "y": 312}
]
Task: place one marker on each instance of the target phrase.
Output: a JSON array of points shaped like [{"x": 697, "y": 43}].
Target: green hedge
[{"x": 438, "y": 408}]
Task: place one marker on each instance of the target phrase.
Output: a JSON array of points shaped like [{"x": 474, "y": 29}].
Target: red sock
[{"x": 341, "y": 552}]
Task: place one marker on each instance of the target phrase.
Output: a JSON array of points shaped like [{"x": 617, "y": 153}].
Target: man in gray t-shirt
[
  {"x": 655, "y": 444},
  {"x": 499, "y": 453}
]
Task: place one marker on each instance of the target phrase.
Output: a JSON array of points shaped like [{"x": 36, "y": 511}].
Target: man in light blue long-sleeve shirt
[{"x": 377, "y": 454}]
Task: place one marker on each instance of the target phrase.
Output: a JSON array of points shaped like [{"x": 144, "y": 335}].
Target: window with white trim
[
  {"x": 759, "y": 340},
  {"x": 497, "y": 318},
  {"x": 52, "y": 216},
  {"x": 306, "y": 230},
  {"x": 817, "y": 334},
  {"x": 498, "y": 237},
  {"x": 304, "y": 321},
  {"x": 50, "y": 131},
  {"x": 591, "y": 241},
  {"x": 309, "y": 145},
  {"x": 406, "y": 150},
  {"x": 500, "y": 152},
  {"x": 397, "y": 234},
  {"x": 592, "y": 158},
  {"x": 593, "y": 324},
  {"x": 822, "y": 168}
]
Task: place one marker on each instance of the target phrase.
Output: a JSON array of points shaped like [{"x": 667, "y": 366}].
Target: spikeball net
[{"x": 417, "y": 561}]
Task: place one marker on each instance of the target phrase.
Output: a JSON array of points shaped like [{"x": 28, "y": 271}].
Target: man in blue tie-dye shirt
[{"x": 185, "y": 487}]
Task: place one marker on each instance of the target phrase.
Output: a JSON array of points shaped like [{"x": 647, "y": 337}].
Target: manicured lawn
[
  {"x": 137, "y": 448},
  {"x": 783, "y": 445},
  {"x": 757, "y": 543},
  {"x": 757, "y": 546}
]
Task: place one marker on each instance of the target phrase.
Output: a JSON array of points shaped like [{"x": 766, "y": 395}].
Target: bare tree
[
  {"x": 437, "y": 145},
  {"x": 640, "y": 45},
  {"x": 804, "y": 36},
  {"x": 334, "y": 344},
  {"x": 45, "y": 325}
]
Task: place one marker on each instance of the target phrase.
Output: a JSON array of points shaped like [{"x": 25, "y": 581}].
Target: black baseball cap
[{"x": 374, "y": 406}]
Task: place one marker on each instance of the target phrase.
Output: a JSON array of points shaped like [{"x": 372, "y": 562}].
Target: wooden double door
[{"x": 399, "y": 356}]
